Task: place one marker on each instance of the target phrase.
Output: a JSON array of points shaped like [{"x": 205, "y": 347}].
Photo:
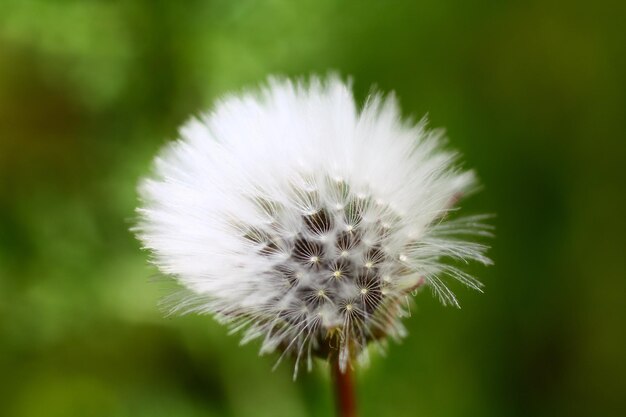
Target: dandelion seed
[{"x": 259, "y": 201}]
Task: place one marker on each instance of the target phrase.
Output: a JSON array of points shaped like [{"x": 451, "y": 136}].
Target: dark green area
[{"x": 532, "y": 92}]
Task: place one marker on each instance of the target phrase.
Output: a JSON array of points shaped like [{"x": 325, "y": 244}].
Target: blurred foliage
[{"x": 532, "y": 92}]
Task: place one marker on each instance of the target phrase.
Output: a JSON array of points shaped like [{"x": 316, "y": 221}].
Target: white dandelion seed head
[{"x": 294, "y": 216}]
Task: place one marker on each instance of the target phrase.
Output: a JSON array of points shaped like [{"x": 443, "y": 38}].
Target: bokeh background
[{"x": 532, "y": 92}]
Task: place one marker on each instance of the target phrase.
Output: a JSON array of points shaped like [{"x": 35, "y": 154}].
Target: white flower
[{"x": 293, "y": 215}]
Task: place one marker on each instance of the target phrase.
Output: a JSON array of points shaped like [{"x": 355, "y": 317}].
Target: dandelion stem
[{"x": 344, "y": 390}]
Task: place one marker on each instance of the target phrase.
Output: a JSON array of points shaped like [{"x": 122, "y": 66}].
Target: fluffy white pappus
[{"x": 297, "y": 217}]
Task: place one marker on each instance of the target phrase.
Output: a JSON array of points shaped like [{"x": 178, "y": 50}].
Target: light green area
[{"x": 532, "y": 92}]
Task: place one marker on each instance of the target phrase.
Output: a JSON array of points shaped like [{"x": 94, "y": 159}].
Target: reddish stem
[{"x": 344, "y": 390}]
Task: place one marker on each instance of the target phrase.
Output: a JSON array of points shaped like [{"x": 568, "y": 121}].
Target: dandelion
[{"x": 296, "y": 218}]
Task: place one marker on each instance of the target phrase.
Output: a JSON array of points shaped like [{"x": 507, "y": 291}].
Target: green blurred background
[{"x": 532, "y": 92}]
